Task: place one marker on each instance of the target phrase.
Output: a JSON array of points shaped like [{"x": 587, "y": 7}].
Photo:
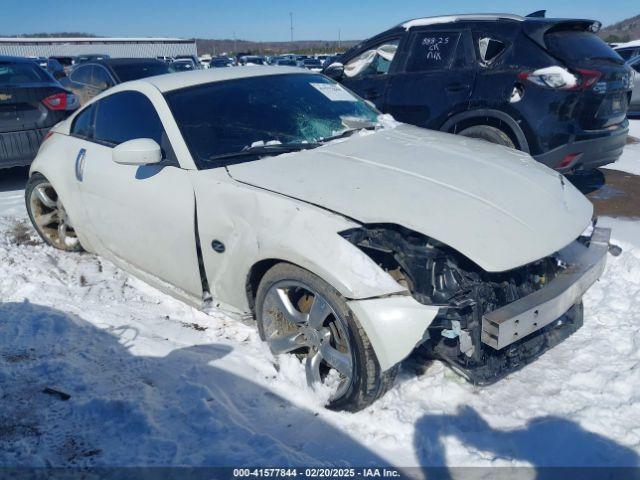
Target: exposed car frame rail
[{"x": 508, "y": 324}]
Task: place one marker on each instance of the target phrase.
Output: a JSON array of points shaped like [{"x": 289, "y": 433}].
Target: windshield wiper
[
  {"x": 346, "y": 133},
  {"x": 259, "y": 150}
]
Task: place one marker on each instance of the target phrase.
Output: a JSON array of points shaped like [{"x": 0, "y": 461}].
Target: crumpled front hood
[{"x": 497, "y": 206}]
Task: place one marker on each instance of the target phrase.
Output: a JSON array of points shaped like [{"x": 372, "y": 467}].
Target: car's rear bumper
[
  {"x": 20, "y": 148},
  {"x": 587, "y": 153},
  {"x": 514, "y": 321}
]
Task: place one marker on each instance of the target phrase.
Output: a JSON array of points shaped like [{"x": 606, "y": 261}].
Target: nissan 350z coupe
[{"x": 274, "y": 192}]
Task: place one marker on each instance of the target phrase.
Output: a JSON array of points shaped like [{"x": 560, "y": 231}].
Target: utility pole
[
  {"x": 235, "y": 44},
  {"x": 339, "y": 40},
  {"x": 291, "y": 24}
]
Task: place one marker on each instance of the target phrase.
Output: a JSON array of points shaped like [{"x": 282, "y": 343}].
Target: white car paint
[
  {"x": 498, "y": 207},
  {"x": 495, "y": 205}
]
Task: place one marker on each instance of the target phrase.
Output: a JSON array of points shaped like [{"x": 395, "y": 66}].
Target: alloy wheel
[
  {"x": 299, "y": 320},
  {"x": 51, "y": 218}
]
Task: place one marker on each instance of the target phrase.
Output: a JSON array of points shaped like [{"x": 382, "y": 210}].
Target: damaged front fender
[{"x": 395, "y": 325}]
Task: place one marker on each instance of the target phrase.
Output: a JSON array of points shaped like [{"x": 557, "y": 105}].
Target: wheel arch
[
  {"x": 255, "y": 276},
  {"x": 491, "y": 117},
  {"x": 385, "y": 284}
]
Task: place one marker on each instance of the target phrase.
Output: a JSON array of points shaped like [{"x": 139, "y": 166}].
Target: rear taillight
[
  {"x": 56, "y": 102},
  {"x": 587, "y": 78},
  {"x": 61, "y": 101},
  {"x": 567, "y": 160},
  {"x": 562, "y": 79}
]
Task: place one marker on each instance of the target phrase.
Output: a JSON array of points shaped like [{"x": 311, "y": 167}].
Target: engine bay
[{"x": 435, "y": 274}]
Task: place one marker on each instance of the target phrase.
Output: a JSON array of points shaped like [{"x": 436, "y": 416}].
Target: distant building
[{"x": 115, "y": 47}]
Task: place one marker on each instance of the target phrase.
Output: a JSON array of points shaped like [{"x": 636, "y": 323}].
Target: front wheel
[
  {"x": 300, "y": 314},
  {"x": 48, "y": 215}
]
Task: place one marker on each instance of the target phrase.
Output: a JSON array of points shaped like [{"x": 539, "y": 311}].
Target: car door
[
  {"x": 435, "y": 79},
  {"x": 368, "y": 72},
  {"x": 101, "y": 79},
  {"x": 142, "y": 216},
  {"x": 80, "y": 83}
]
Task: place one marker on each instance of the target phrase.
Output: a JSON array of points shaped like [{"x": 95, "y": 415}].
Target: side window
[
  {"x": 82, "y": 75},
  {"x": 489, "y": 49},
  {"x": 375, "y": 61},
  {"x": 432, "y": 51},
  {"x": 126, "y": 116},
  {"x": 625, "y": 53},
  {"x": 101, "y": 78},
  {"x": 83, "y": 124}
]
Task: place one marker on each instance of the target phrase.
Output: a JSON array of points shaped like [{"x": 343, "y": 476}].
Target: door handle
[
  {"x": 456, "y": 87},
  {"x": 80, "y": 164}
]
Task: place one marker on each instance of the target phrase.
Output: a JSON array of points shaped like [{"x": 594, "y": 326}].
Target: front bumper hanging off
[{"x": 585, "y": 264}]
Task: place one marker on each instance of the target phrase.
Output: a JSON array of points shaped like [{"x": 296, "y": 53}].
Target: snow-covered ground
[{"x": 155, "y": 382}]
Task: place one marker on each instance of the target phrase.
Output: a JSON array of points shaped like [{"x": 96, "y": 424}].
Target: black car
[
  {"x": 196, "y": 61},
  {"x": 628, "y": 51},
  {"x": 91, "y": 78},
  {"x": 549, "y": 87},
  {"x": 66, "y": 62},
  {"x": 55, "y": 68},
  {"x": 311, "y": 64},
  {"x": 183, "y": 65},
  {"x": 90, "y": 57},
  {"x": 31, "y": 102},
  {"x": 286, "y": 62},
  {"x": 220, "y": 62},
  {"x": 251, "y": 60}
]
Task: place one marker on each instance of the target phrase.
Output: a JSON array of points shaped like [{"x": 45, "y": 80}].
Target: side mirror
[
  {"x": 141, "y": 151},
  {"x": 334, "y": 71}
]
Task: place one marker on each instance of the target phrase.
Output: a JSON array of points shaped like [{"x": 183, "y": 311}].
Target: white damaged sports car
[{"x": 352, "y": 240}]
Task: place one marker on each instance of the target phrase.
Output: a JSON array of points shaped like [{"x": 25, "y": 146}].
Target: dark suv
[
  {"x": 549, "y": 87},
  {"x": 31, "y": 102}
]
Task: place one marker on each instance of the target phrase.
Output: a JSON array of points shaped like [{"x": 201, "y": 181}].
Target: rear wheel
[
  {"x": 300, "y": 314},
  {"x": 48, "y": 215},
  {"x": 488, "y": 134}
]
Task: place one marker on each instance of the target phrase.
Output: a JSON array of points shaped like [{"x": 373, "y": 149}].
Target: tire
[
  {"x": 488, "y": 134},
  {"x": 42, "y": 202},
  {"x": 367, "y": 382}
]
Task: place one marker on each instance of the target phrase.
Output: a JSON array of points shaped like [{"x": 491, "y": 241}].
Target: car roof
[
  {"x": 175, "y": 81},
  {"x": 126, "y": 61},
  {"x": 467, "y": 17},
  {"x": 9, "y": 58},
  {"x": 628, "y": 45}
]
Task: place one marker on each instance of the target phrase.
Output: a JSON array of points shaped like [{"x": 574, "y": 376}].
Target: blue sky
[{"x": 268, "y": 20}]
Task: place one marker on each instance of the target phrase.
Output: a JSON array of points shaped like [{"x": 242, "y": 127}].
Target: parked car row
[
  {"x": 368, "y": 239},
  {"x": 180, "y": 180},
  {"x": 91, "y": 78},
  {"x": 35, "y": 94},
  {"x": 548, "y": 87},
  {"x": 31, "y": 102}
]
